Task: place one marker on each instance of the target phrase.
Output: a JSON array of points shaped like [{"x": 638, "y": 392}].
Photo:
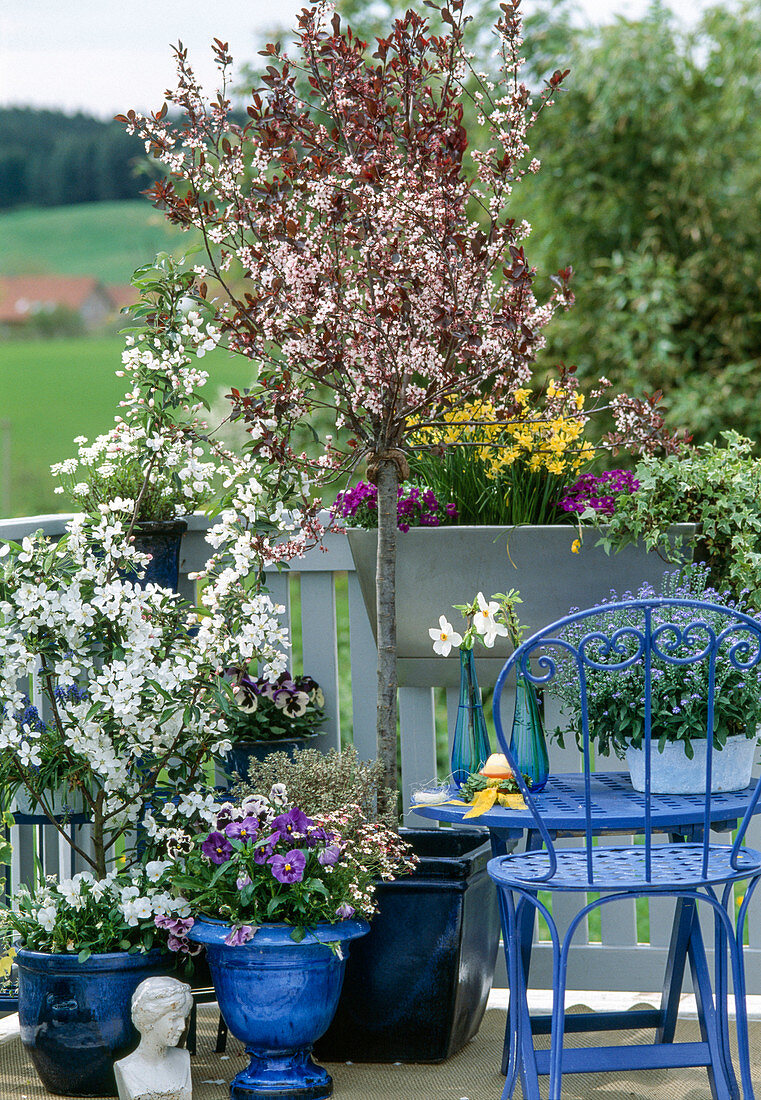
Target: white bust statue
[{"x": 158, "y": 1069}]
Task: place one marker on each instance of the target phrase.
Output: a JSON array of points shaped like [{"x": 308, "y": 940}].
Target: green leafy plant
[{"x": 717, "y": 486}]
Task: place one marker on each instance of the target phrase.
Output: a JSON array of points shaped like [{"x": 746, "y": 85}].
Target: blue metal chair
[{"x": 698, "y": 872}]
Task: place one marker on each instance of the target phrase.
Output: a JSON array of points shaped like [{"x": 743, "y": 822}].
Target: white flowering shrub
[{"x": 132, "y": 677}]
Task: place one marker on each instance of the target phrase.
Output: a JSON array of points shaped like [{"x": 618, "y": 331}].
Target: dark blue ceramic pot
[
  {"x": 242, "y": 753},
  {"x": 162, "y": 540},
  {"x": 75, "y": 1017},
  {"x": 278, "y": 997}
]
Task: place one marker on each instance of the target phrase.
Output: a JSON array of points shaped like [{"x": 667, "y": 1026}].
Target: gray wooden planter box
[{"x": 438, "y": 567}]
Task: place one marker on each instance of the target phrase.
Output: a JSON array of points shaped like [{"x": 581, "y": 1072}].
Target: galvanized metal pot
[{"x": 438, "y": 567}]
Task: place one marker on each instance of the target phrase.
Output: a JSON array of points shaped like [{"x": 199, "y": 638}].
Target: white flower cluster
[{"x": 64, "y": 915}]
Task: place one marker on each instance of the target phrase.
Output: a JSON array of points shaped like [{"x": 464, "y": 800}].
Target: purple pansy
[
  {"x": 244, "y": 830},
  {"x": 344, "y": 911},
  {"x": 329, "y": 855},
  {"x": 317, "y": 836},
  {"x": 295, "y": 821},
  {"x": 265, "y": 848},
  {"x": 239, "y": 936},
  {"x": 243, "y": 880},
  {"x": 217, "y": 848},
  {"x": 290, "y": 867}
]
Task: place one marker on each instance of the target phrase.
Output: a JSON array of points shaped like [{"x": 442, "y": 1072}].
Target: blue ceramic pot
[
  {"x": 278, "y": 997},
  {"x": 162, "y": 540},
  {"x": 75, "y": 1017},
  {"x": 241, "y": 755}
]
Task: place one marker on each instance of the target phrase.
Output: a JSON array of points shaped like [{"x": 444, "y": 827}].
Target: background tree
[{"x": 653, "y": 183}]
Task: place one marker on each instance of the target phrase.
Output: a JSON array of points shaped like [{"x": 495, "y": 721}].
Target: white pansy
[{"x": 444, "y": 637}]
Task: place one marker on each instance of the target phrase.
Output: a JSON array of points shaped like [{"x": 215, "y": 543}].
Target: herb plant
[
  {"x": 679, "y": 694},
  {"x": 325, "y": 783}
]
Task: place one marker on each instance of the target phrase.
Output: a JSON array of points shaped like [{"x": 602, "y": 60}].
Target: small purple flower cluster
[
  {"x": 598, "y": 491},
  {"x": 417, "y": 507}
]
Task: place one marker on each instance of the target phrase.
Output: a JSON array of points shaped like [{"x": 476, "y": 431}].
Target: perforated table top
[{"x": 616, "y": 807}]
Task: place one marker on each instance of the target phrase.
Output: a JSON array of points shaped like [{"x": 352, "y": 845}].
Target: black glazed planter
[{"x": 416, "y": 986}]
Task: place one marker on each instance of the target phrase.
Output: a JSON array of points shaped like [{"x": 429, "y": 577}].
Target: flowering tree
[{"x": 384, "y": 278}]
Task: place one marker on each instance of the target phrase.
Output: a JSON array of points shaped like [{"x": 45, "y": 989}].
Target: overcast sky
[{"x": 104, "y": 56}]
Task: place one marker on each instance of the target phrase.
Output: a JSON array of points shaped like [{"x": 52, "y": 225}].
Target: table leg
[{"x": 500, "y": 841}]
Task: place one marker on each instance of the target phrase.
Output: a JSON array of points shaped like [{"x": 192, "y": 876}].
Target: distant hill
[
  {"x": 105, "y": 239},
  {"x": 48, "y": 158}
]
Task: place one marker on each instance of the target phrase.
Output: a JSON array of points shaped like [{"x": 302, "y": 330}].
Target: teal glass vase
[
  {"x": 470, "y": 746},
  {"x": 527, "y": 741}
]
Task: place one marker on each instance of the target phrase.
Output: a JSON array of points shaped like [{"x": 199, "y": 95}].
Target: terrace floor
[{"x": 470, "y": 1075}]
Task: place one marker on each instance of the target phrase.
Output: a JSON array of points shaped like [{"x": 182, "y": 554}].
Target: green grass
[
  {"x": 54, "y": 390},
  {"x": 105, "y": 239}
]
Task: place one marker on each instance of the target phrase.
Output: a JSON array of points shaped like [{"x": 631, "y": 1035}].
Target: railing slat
[
  {"x": 320, "y": 647},
  {"x": 417, "y": 720},
  {"x": 364, "y": 661}
]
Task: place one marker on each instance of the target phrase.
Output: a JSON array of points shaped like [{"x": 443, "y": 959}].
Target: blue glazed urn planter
[
  {"x": 75, "y": 1017},
  {"x": 278, "y": 997}
]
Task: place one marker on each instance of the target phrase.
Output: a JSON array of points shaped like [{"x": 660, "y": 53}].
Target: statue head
[{"x": 161, "y": 1006}]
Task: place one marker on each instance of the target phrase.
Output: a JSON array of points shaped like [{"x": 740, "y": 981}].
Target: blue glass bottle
[
  {"x": 527, "y": 741},
  {"x": 470, "y": 746}
]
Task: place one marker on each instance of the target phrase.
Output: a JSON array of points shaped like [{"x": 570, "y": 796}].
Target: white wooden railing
[{"x": 336, "y": 633}]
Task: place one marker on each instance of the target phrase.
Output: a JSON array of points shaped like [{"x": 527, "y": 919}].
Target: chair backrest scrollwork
[{"x": 640, "y": 643}]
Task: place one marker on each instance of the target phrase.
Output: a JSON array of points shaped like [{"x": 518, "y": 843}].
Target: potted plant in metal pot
[
  {"x": 277, "y": 896},
  {"x": 416, "y": 986},
  {"x": 513, "y": 487},
  {"x": 271, "y": 715},
  {"x": 679, "y": 694}
]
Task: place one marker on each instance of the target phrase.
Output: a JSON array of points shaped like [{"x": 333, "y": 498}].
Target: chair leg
[
  {"x": 721, "y": 985},
  {"x": 521, "y": 1053},
  {"x": 741, "y": 1013},
  {"x": 721, "y": 1077}
]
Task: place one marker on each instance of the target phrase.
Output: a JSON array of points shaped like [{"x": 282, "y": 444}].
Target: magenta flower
[
  {"x": 244, "y": 830},
  {"x": 239, "y": 936},
  {"x": 217, "y": 848},
  {"x": 330, "y": 854},
  {"x": 295, "y": 821},
  {"x": 290, "y": 867},
  {"x": 344, "y": 911}
]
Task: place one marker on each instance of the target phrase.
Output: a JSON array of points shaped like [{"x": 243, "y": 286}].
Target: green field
[
  {"x": 107, "y": 240},
  {"x": 54, "y": 390}
]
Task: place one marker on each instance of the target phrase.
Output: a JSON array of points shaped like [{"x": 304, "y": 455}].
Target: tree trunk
[
  {"x": 98, "y": 838},
  {"x": 385, "y": 589}
]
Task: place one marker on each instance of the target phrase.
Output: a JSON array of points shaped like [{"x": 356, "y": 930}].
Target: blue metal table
[{"x": 617, "y": 809}]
